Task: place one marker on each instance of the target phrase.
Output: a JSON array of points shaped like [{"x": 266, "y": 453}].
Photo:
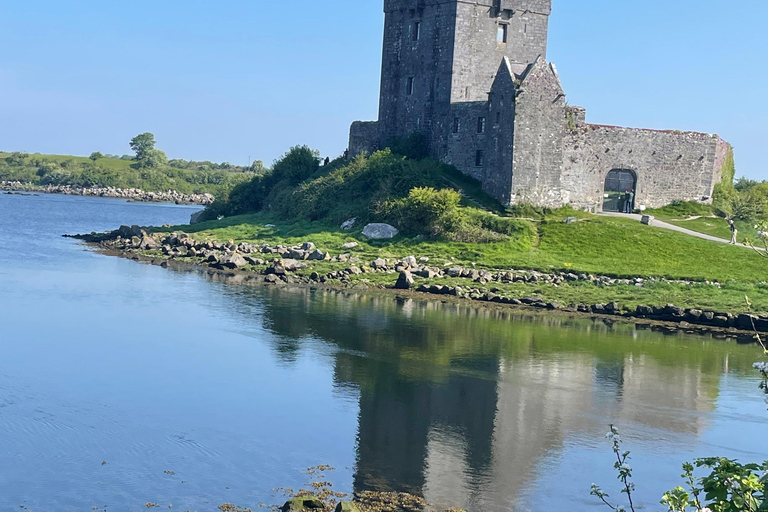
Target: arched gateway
[{"x": 617, "y": 183}]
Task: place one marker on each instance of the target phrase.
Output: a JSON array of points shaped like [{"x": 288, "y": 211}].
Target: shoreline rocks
[
  {"x": 130, "y": 194},
  {"x": 280, "y": 264}
]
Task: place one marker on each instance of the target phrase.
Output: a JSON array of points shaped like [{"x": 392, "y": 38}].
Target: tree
[
  {"x": 142, "y": 144},
  {"x": 96, "y": 155}
]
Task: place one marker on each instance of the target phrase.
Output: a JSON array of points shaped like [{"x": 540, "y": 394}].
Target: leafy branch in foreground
[{"x": 624, "y": 473}]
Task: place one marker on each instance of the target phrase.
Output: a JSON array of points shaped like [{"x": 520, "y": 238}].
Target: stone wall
[
  {"x": 669, "y": 165},
  {"x": 538, "y": 138},
  {"x": 363, "y": 137}
]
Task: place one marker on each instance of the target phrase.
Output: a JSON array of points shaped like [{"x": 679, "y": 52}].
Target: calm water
[{"x": 237, "y": 390}]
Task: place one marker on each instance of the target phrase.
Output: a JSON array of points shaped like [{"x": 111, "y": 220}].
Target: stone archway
[{"x": 617, "y": 182}]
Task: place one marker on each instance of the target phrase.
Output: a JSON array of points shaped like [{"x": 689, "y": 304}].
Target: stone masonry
[{"x": 472, "y": 79}]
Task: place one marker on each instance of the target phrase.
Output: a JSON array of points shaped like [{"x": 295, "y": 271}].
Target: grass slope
[{"x": 599, "y": 245}]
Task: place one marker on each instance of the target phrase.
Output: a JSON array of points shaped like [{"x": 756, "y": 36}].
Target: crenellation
[{"x": 473, "y": 79}]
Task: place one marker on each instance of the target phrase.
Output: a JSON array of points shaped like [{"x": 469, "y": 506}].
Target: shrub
[{"x": 426, "y": 211}]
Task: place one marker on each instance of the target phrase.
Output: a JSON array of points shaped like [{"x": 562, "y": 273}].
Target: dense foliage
[
  {"x": 150, "y": 170},
  {"x": 408, "y": 193}
]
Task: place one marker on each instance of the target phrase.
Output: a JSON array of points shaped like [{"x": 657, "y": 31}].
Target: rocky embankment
[
  {"x": 131, "y": 194},
  {"x": 281, "y": 264}
]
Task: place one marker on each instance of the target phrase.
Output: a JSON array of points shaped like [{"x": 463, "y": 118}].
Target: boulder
[
  {"x": 318, "y": 255},
  {"x": 277, "y": 268},
  {"x": 308, "y": 246},
  {"x": 405, "y": 281},
  {"x": 303, "y": 504},
  {"x": 454, "y": 272},
  {"x": 297, "y": 254},
  {"x": 195, "y": 217},
  {"x": 349, "y": 245},
  {"x": 124, "y": 232},
  {"x": 254, "y": 261},
  {"x": 411, "y": 262},
  {"x": 379, "y": 264},
  {"x": 348, "y": 224},
  {"x": 148, "y": 243},
  {"x": 232, "y": 261},
  {"x": 648, "y": 220},
  {"x": 571, "y": 220},
  {"x": 347, "y": 506},
  {"x": 291, "y": 264},
  {"x": 379, "y": 231}
]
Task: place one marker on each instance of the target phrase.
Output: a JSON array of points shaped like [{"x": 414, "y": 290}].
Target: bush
[{"x": 426, "y": 211}]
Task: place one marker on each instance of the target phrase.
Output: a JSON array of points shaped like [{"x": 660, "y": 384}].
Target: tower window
[
  {"x": 456, "y": 125},
  {"x": 498, "y": 118},
  {"x": 409, "y": 86},
  {"x": 479, "y": 158},
  {"x": 480, "y": 125},
  {"x": 501, "y": 33},
  {"x": 415, "y": 30}
]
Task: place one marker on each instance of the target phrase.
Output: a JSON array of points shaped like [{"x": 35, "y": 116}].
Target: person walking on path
[{"x": 734, "y": 231}]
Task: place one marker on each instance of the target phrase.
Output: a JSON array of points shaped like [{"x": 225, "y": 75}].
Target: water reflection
[{"x": 464, "y": 404}]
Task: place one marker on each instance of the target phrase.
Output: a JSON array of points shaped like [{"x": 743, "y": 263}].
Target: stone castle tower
[{"x": 473, "y": 80}]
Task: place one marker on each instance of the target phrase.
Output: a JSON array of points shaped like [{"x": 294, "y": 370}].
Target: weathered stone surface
[
  {"x": 233, "y": 261},
  {"x": 379, "y": 231},
  {"x": 195, "y": 217},
  {"x": 405, "y": 281},
  {"x": 349, "y": 245},
  {"x": 348, "y": 224},
  {"x": 379, "y": 264},
  {"x": 318, "y": 255},
  {"x": 534, "y": 148},
  {"x": 303, "y": 504},
  {"x": 347, "y": 506}
]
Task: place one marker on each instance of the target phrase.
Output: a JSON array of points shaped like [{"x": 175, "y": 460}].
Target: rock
[
  {"x": 379, "y": 231},
  {"x": 423, "y": 259},
  {"x": 148, "y": 243},
  {"x": 571, "y": 220},
  {"x": 303, "y": 504},
  {"x": 411, "y": 262},
  {"x": 612, "y": 308},
  {"x": 405, "y": 281},
  {"x": 426, "y": 273},
  {"x": 308, "y": 246},
  {"x": 271, "y": 278},
  {"x": 137, "y": 231},
  {"x": 648, "y": 220},
  {"x": 348, "y": 224},
  {"x": 354, "y": 270},
  {"x": 124, "y": 232},
  {"x": 277, "y": 267},
  {"x": 349, "y": 245},
  {"x": 254, "y": 261},
  {"x": 643, "y": 311},
  {"x": 297, "y": 254},
  {"x": 233, "y": 261},
  {"x": 534, "y": 299},
  {"x": 318, "y": 255},
  {"x": 269, "y": 225},
  {"x": 291, "y": 264},
  {"x": 554, "y": 305},
  {"x": 379, "y": 264},
  {"x": 454, "y": 272},
  {"x": 195, "y": 217},
  {"x": 347, "y": 506}
]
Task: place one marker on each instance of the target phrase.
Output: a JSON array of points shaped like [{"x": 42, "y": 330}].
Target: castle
[{"x": 473, "y": 80}]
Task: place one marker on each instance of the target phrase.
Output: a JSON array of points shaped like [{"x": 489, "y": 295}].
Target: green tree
[
  {"x": 96, "y": 155},
  {"x": 142, "y": 144}
]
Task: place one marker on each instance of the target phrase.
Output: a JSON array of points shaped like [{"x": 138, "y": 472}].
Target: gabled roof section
[
  {"x": 541, "y": 71},
  {"x": 505, "y": 76}
]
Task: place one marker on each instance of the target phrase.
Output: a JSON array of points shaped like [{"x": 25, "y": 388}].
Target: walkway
[{"x": 665, "y": 225}]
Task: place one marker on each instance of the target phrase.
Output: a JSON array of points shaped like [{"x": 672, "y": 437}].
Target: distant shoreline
[{"x": 130, "y": 194}]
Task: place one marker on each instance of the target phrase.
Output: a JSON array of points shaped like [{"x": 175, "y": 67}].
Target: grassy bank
[{"x": 598, "y": 245}]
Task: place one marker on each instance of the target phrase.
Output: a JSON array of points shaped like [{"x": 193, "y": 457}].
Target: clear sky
[{"x": 227, "y": 80}]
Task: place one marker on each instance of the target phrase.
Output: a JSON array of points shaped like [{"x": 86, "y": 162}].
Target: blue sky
[{"x": 234, "y": 79}]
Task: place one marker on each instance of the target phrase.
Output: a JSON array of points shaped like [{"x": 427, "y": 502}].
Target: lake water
[{"x": 123, "y": 384}]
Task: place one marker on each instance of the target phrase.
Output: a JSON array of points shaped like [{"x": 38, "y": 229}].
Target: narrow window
[
  {"x": 415, "y": 30},
  {"x": 479, "y": 158},
  {"x": 501, "y": 33},
  {"x": 498, "y": 118},
  {"x": 480, "y": 125},
  {"x": 456, "y": 125},
  {"x": 409, "y": 86}
]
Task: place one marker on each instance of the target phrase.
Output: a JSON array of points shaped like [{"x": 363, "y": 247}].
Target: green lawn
[
  {"x": 112, "y": 164},
  {"x": 715, "y": 226},
  {"x": 599, "y": 245}
]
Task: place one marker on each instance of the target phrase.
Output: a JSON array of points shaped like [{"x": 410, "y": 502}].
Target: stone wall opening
[{"x": 617, "y": 183}]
